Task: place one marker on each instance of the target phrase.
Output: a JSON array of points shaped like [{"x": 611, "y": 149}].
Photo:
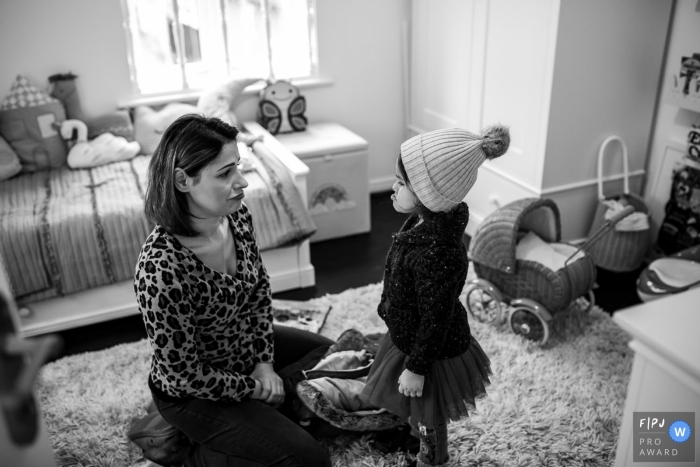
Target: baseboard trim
[
  {"x": 559, "y": 188},
  {"x": 590, "y": 182}
]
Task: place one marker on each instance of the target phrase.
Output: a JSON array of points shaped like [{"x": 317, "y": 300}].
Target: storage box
[{"x": 338, "y": 181}]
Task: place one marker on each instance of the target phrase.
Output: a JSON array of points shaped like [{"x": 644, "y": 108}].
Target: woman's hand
[
  {"x": 271, "y": 387},
  {"x": 411, "y": 384}
]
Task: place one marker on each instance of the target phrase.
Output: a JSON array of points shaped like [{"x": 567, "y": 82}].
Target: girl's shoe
[{"x": 396, "y": 439}]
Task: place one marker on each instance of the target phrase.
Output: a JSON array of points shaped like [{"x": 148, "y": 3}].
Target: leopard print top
[{"x": 207, "y": 329}]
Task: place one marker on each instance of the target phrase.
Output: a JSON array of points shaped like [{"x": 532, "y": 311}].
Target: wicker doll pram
[{"x": 533, "y": 291}]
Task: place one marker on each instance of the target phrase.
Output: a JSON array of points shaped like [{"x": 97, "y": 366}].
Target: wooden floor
[{"x": 340, "y": 264}]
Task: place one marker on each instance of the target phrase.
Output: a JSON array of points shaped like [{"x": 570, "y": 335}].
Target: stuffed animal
[
  {"x": 29, "y": 121},
  {"x": 149, "y": 123},
  {"x": 63, "y": 87},
  {"x": 281, "y": 108},
  {"x": 104, "y": 149},
  {"x": 217, "y": 101},
  {"x": 9, "y": 161}
]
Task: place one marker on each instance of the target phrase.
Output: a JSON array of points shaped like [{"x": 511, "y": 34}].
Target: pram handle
[{"x": 607, "y": 225}]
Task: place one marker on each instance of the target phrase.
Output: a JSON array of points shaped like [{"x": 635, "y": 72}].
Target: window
[{"x": 178, "y": 45}]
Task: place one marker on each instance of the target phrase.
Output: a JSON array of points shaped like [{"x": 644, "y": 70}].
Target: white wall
[
  {"x": 609, "y": 60},
  {"x": 359, "y": 49},
  {"x": 43, "y": 37}
]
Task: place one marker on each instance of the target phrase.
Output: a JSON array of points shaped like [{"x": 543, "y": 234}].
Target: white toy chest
[{"x": 338, "y": 180}]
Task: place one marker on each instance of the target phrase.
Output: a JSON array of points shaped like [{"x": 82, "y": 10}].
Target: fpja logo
[{"x": 664, "y": 436}]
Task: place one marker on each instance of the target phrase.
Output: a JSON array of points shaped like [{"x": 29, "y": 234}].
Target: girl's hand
[
  {"x": 271, "y": 387},
  {"x": 411, "y": 384}
]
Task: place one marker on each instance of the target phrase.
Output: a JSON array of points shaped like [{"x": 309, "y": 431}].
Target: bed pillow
[
  {"x": 149, "y": 124},
  {"x": 9, "y": 161},
  {"x": 29, "y": 121}
]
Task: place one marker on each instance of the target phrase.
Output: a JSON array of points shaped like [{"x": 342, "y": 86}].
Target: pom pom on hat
[
  {"x": 495, "y": 141},
  {"x": 442, "y": 165}
]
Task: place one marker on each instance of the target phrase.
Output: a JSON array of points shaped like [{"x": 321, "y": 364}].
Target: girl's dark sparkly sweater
[{"x": 425, "y": 272}]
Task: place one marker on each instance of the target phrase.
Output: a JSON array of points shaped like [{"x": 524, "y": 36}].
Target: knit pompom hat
[{"x": 442, "y": 165}]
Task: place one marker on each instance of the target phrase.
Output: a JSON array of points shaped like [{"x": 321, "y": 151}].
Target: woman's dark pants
[{"x": 251, "y": 433}]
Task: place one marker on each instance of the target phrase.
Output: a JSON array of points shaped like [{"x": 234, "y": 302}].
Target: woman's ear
[{"x": 182, "y": 181}]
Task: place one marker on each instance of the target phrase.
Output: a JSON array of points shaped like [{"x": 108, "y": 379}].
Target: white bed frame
[{"x": 289, "y": 268}]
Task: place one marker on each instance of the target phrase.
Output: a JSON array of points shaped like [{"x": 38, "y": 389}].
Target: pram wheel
[
  {"x": 528, "y": 323},
  {"x": 483, "y": 301}
]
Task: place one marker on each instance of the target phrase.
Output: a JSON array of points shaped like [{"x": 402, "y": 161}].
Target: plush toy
[
  {"x": 149, "y": 124},
  {"x": 281, "y": 108},
  {"x": 9, "y": 161},
  {"x": 104, "y": 149},
  {"x": 63, "y": 88},
  {"x": 217, "y": 101},
  {"x": 29, "y": 121}
]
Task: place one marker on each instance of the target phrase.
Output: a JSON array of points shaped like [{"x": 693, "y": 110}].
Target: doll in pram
[{"x": 519, "y": 260}]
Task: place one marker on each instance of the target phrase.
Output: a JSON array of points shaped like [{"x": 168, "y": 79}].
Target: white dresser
[{"x": 666, "y": 370}]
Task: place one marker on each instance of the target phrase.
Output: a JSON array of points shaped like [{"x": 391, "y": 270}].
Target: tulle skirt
[{"x": 450, "y": 391}]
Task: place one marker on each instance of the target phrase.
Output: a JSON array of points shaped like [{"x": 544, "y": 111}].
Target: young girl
[{"x": 429, "y": 368}]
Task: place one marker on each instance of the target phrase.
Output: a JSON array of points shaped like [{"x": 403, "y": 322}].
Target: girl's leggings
[{"x": 433, "y": 445}]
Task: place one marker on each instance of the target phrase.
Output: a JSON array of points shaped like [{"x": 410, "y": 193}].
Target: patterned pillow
[
  {"x": 9, "y": 162},
  {"x": 149, "y": 124},
  {"x": 29, "y": 121}
]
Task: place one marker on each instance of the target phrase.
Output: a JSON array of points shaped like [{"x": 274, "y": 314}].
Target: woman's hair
[
  {"x": 190, "y": 143},
  {"x": 420, "y": 209}
]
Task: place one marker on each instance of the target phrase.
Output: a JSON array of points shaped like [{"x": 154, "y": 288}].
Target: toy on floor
[
  {"x": 63, "y": 88},
  {"x": 104, "y": 149},
  {"x": 29, "y": 121},
  {"x": 519, "y": 260},
  {"x": 671, "y": 275},
  {"x": 281, "y": 108}
]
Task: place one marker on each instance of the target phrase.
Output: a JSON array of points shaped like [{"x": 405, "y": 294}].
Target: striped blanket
[{"x": 64, "y": 231}]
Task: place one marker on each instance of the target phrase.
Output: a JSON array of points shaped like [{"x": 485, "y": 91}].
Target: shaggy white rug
[{"x": 560, "y": 405}]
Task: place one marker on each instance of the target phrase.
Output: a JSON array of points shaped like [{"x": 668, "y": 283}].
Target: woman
[{"x": 204, "y": 294}]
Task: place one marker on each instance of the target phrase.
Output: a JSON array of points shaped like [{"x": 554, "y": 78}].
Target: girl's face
[
  {"x": 218, "y": 191},
  {"x": 403, "y": 198}
]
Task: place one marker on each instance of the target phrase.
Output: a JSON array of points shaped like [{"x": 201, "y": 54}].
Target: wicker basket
[{"x": 618, "y": 251}]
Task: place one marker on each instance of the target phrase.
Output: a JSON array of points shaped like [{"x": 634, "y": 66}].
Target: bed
[{"x": 69, "y": 239}]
